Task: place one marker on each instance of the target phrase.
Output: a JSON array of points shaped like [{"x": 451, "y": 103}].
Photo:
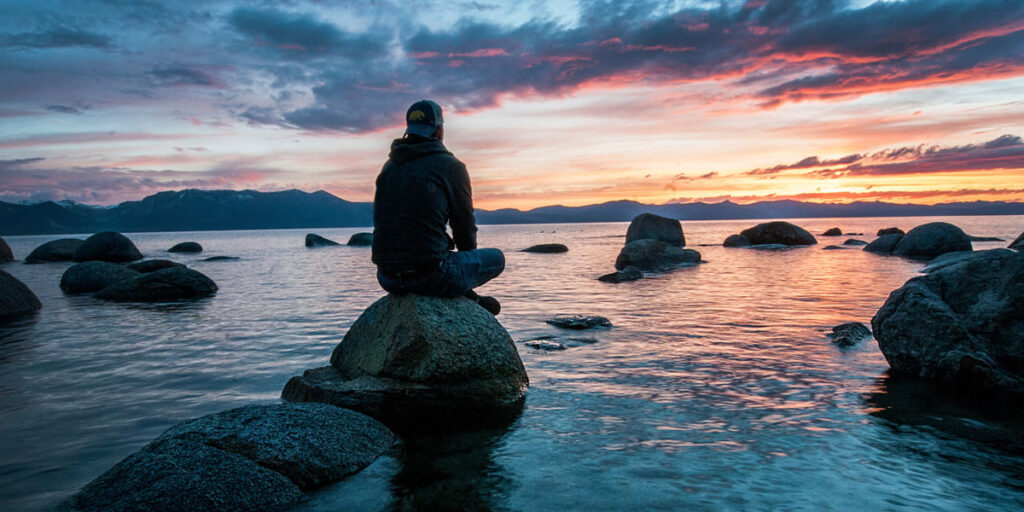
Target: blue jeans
[{"x": 456, "y": 275}]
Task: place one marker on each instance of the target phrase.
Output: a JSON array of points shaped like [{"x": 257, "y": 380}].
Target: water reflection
[{"x": 16, "y": 337}]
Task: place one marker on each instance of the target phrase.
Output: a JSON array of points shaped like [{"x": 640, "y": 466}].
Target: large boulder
[
  {"x": 315, "y": 240},
  {"x": 186, "y": 247},
  {"x": 5, "y": 252},
  {"x": 884, "y": 244},
  {"x": 16, "y": 299},
  {"x": 547, "y": 248},
  {"x": 175, "y": 283},
  {"x": 648, "y": 226},
  {"x": 962, "y": 322},
  {"x": 55, "y": 250},
  {"x": 1018, "y": 243},
  {"x": 930, "y": 240},
  {"x": 778, "y": 232},
  {"x": 655, "y": 255},
  {"x": 361, "y": 239},
  {"x": 93, "y": 276},
  {"x": 107, "y": 246},
  {"x": 412, "y": 358},
  {"x": 736, "y": 241}
]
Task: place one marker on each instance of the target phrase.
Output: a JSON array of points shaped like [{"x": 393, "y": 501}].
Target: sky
[{"x": 547, "y": 103}]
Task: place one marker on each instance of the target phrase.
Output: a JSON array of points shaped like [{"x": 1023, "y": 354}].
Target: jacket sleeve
[{"x": 460, "y": 212}]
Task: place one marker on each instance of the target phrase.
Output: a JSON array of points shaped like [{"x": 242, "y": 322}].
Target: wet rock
[
  {"x": 854, "y": 241},
  {"x": 107, "y": 246},
  {"x": 546, "y": 345},
  {"x": 16, "y": 299},
  {"x": 736, "y": 241},
  {"x": 360, "y": 239},
  {"x": 961, "y": 323},
  {"x": 412, "y": 358},
  {"x": 621, "y": 276},
  {"x": 55, "y": 250},
  {"x": 148, "y": 266},
  {"x": 648, "y": 226},
  {"x": 553, "y": 343},
  {"x": 222, "y": 258},
  {"x": 172, "y": 475},
  {"x": 186, "y": 247},
  {"x": 309, "y": 443},
  {"x": 849, "y": 334},
  {"x": 175, "y": 283},
  {"x": 951, "y": 258},
  {"x": 5, "y": 252},
  {"x": 547, "y": 248},
  {"x": 833, "y": 232},
  {"x": 655, "y": 255},
  {"x": 778, "y": 232},
  {"x": 930, "y": 240},
  {"x": 884, "y": 244},
  {"x": 314, "y": 240},
  {"x": 92, "y": 276},
  {"x": 1018, "y": 244},
  {"x": 579, "y": 322},
  {"x": 832, "y": 247},
  {"x": 889, "y": 231}
]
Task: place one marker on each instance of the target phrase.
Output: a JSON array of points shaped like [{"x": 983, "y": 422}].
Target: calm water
[{"x": 716, "y": 389}]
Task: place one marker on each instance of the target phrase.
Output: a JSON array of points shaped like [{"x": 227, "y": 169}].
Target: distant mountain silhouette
[{"x": 203, "y": 210}]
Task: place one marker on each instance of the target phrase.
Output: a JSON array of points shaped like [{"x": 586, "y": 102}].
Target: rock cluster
[
  {"x": 412, "y": 359},
  {"x": 107, "y": 246},
  {"x": 55, "y": 250},
  {"x": 961, "y": 322},
  {"x": 93, "y": 276},
  {"x": 314, "y": 240},
  {"x": 152, "y": 281},
  {"x": 247, "y": 459},
  {"x": 16, "y": 299},
  {"x": 923, "y": 242},
  {"x": 361, "y": 239},
  {"x": 653, "y": 244}
]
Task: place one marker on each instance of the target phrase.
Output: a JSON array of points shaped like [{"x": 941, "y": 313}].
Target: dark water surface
[{"x": 716, "y": 389}]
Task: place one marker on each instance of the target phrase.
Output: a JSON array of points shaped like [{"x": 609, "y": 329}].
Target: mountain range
[{"x": 206, "y": 210}]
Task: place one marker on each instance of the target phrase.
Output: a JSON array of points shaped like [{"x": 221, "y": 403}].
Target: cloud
[
  {"x": 55, "y": 38},
  {"x": 916, "y": 196},
  {"x": 63, "y": 109},
  {"x": 809, "y": 162},
  {"x": 182, "y": 76},
  {"x": 303, "y": 36}
]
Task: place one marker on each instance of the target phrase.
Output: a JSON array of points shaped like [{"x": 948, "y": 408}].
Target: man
[{"x": 421, "y": 188}]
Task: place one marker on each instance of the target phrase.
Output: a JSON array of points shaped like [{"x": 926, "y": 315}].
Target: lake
[{"x": 716, "y": 389}]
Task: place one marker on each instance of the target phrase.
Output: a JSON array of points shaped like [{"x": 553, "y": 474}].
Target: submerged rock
[
  {"x": 655, "y": 255},
  {"x": 314, "y": 240},
  {"x": 547, "y": 248},
  {"x": 984, "y": 238},
  {"x": 55, "y": 250},
  {"x": 92, "y": 276},
  {"x": 963, "y": 322},
  {"x": 648, "y": 226},
  {"x": 545, "y": 345},
  {"x": 5, "y": 252},
  {"x": 736, "y": 241},
  {"x": 930, "y": 240},
  {"x": 186, "y": 247},
  {"x": 621, "y": 276},
  {"x": 889, "y": 231},
  {"x": 1018, "y": 244},
  {"x": 778, "y": 232},
  {"x": 854, "y": 241},
  {"x": 579, "y": 322},
  {"x": 833, "y": 232},
  {"x": 148, "y": 266},
  {"x": 107, "y": 246},
  {"x": 832, "y": 247},
  {"x": 849, "y": 334},
  {"x": 412, "y": 358},
  {"x": 16, "y": 299},
  {"x": 884, "y": 244},
  {"x": 770, "y": 247},
  {"x": 360, "y": 239},
  {"x": 222, "y": 258},
  {"x": 169, "y": 284}
]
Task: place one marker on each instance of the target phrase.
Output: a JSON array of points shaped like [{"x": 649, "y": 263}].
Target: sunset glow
[{"x": 574, "y": 103}]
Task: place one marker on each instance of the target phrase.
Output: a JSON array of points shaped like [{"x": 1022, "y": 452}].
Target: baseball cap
[{"x": 423, "y": 118}]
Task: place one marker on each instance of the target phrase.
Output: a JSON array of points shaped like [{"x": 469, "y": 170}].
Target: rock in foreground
[
  {"x": 361, "y": 239},
  {"x": 655, "y": 255},
  {"x": 248, "y": 459},
  {"x": 963, "y": 322},
  {"x": 107, "y": 246},
  {"x": 648, "y": 226},
  {"x": 186, "y": 247},
  {"x": 93, "y": 276},
  {"x": 5, "y": 252},
  {"x": 55, "y": 250},
  {"x": 930, "y": 240},
  {"x": 411, "y": 358},
  {"x": 314, "y": 240},
  {"x": 169, "y": 284},
  {"x": 16, "y": 299},
  {"x": 778, "y": 232},
  {"x": 547, "y": 248}
]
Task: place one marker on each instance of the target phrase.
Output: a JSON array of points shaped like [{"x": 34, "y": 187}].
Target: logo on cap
[{"x": 417, "y": 115}]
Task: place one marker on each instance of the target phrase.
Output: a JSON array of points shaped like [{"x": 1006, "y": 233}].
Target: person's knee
[{"x": 499, "y": 260}]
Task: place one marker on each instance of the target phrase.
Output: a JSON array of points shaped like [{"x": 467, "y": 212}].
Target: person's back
[{"x": 421, "y": 189}]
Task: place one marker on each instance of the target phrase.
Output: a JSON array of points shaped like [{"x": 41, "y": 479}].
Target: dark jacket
[{"x": 421, "y": 188}]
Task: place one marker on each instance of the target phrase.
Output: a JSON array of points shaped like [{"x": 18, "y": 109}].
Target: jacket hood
[{"x": 404, "y": 150}]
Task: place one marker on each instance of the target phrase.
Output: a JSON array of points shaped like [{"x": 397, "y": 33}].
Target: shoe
[{"x": 490, "y": 304}]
